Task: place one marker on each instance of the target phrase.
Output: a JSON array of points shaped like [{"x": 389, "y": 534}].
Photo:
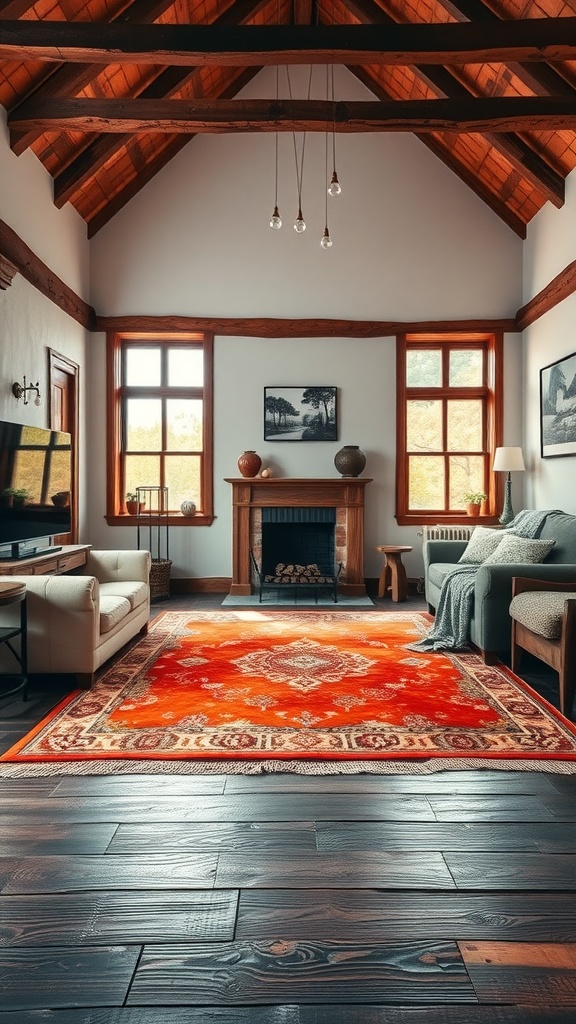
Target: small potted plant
[
  {"x": 14, "y": 497},
  {"x": 473, "y": 501},
  {"x": 133, "y": 506}
]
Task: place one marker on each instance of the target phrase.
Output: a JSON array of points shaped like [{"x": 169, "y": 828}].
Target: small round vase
[
  {"x": 188, "y": 508},
  {"x": 350, "y": 461},
  {"x": 249, "y": 463}
]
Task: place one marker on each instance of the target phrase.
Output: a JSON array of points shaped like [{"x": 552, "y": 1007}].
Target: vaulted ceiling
[{"x": 106, "y": 92}]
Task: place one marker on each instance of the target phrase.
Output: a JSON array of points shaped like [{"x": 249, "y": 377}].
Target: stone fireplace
[{"x": 344, "y": 496}]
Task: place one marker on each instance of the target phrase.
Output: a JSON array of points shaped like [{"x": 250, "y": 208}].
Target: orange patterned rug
[{"x": 327, "y": 686}]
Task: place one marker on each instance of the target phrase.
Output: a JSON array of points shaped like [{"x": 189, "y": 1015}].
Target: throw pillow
[
  {"x": 483, "y": 541},
  {"x": 519, "y": 549}
]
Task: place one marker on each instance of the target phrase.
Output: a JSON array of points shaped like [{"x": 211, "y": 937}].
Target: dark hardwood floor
[{"x": 447, "y": 898}]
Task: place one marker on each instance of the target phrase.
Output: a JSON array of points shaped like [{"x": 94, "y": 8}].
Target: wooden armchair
[{"x": 543, "y": 616}]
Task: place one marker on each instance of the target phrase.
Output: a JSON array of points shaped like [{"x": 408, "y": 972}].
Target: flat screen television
[{"x": 35, "y": 489}]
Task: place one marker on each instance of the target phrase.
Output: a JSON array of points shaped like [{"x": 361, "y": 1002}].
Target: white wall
[
  {"x": 410, "y": 239},
  {"x": 411, "y": 242},
  {"x": 549, "y": 248},
  {"x": 30, "y": 324}
]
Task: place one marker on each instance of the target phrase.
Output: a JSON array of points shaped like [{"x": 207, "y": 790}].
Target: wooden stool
[{"x": 393, "y": 575}]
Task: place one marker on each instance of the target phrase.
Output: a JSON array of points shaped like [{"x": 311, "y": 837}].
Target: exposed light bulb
[
  {"x": 276, "y": 219},
  {"x": 334, "y": 188},
  {"x": 300, "y": 223},
  {"x": 326, "y": 241}
]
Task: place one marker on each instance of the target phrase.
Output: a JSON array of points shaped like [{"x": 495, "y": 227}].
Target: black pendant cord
[{"x": 276, "y": 143}]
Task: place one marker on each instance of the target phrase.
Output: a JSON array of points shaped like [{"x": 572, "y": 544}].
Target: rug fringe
[{"x": 38, "y": 771}]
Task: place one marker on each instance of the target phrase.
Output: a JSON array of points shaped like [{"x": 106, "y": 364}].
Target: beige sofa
[{"x": 77, "y": 622}]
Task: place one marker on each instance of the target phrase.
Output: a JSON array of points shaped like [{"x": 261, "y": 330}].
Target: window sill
[
  {"x": 443, "y": 520},
  {"x": 174, "y": 519}
]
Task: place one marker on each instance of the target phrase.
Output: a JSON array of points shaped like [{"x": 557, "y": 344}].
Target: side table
[
  {"x": 393, "y": 575},
  {"x": 15, "y": 593}
]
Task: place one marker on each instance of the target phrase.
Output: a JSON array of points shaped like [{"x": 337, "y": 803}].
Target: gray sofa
[{"x": 490, "y": 625}]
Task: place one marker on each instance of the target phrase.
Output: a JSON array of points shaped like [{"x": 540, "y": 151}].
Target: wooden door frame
[{"x": 56, "y": 361}]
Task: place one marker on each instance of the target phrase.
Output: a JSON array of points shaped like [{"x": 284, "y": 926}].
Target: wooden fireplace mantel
[{"x": 345, "y": 493}]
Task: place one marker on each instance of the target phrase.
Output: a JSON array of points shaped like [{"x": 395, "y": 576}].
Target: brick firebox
[{"x": 345, "y": 494}]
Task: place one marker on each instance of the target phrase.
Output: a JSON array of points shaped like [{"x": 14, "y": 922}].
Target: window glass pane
[
  {"x": 466, "y": 474},
  {"x": 186, "y": 367},
  {"x": 59, "y": 472},
  {"x": 465, "y": 368},
  {"x": 143, "y": 368},
  {"x": 182, "y": 479},
  {"x": 27, "y": 475},
  {"x": 184, "y": 425},
  {"x": 423, "y": 368},
  {"x": 425, "y": 482},
  {"x": 38, "y": 436},
  {"x": 424, "y": 426},
  {"x": 143, "y": 425},
  {"x": 464, "y": 425},
  {"x": 142, "y": 471}
]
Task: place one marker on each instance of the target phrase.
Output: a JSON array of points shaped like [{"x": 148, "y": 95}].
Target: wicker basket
[{"x": 160, "y": 577}]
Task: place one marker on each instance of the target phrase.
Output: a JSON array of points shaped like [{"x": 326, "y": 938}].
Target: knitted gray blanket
[{"x": 454, "y": 611}]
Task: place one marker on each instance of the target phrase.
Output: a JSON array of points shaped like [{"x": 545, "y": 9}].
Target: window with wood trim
[
  {"x": 160, "y": 399},
  {"x": 449, "y": 424}
]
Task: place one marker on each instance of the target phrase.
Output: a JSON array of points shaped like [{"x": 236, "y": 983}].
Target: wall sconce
[{"x": 21, "y": 391}]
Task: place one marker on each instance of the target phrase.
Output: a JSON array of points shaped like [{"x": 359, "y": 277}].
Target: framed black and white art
[
  {"x": 558, "y": 408},
  {"x": 300, "y": 413}
]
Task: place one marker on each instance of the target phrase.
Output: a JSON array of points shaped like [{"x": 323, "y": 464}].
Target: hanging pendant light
[
  {"x": 276, "y": 220},
  {"x": 334, "y": 188},
  {"x": 326, "y": 241},
  {"x": 300, "y": 223}
]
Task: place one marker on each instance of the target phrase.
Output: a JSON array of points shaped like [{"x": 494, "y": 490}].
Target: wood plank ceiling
[{"x": 106, "y": 92}]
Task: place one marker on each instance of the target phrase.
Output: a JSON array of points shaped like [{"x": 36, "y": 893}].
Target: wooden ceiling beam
[
  {"x": 69, "y": 182},
  {"x": 558, "y": 289},
  {"x": 70, "y": 79},
  {"x": 542, "y": 79},
  {"x": 536, "y": 39},
  {"x": 302, "y": 11},
  {"x": 31, "y": 267},
  {"x": 269, "y": 327},
  {"x": 443, "y": 82},
  {"x": 475, "y": 183},
  {"x": 496, "y": 114},
  {"x": 513, "y": 147},
  {"x": 168, "y": 152},
  {"x": 14, "y": 8},
  {"x": 436, "y": 146}
]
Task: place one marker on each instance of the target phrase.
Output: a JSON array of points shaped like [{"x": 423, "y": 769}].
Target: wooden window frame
[
  {"x": 491, "y": 391},
  {"x": 116, "y": 514}
]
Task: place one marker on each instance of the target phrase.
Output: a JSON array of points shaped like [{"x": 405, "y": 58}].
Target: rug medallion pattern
[{"x": 328, "y": 685}]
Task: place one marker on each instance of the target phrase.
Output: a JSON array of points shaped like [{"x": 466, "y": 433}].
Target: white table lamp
[{"x": 508, "y": 460}]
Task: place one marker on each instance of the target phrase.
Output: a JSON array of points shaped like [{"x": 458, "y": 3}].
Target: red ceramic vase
[{"x": 249, "y": 463}]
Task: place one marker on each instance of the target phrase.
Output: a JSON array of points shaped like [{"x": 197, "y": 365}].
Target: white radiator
[{"x": 441, "y": 532}]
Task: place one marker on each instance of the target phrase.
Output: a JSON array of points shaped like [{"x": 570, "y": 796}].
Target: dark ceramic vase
[
  {"x": 249, "y": 463},
  {"x": 350, "y": 461}
]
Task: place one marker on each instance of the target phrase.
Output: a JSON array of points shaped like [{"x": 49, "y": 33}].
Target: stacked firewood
[{"x": 297, "y": 574}]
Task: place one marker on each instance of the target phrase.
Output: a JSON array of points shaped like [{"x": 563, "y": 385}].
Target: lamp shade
[{"x": 508, "y": 460}]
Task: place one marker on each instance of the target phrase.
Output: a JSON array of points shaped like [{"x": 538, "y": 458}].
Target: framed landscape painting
[
  {"x": 558, "y": 408},
  {"x": 300, "y": 413}
]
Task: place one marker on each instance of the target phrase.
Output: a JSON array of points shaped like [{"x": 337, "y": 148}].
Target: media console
[{"x": 65, "y": 559}]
